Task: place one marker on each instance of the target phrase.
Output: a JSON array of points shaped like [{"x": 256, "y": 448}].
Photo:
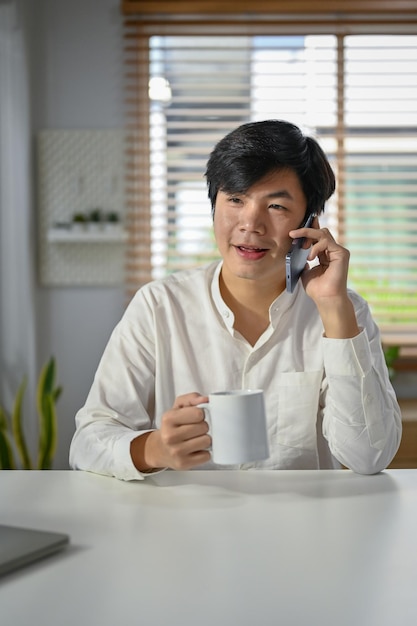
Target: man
[{"x": 315, "y": 352}]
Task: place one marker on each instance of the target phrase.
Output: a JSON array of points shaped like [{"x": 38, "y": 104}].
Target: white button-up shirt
[{"x": 326, "y": 399}]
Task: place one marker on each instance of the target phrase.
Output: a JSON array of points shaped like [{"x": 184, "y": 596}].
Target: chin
[
  {"x": 250, "y": 273},
  {"x": 246, "y": 276}
]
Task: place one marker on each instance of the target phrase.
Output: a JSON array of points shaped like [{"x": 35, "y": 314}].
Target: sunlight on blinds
[{"x": 381, "y": 174}]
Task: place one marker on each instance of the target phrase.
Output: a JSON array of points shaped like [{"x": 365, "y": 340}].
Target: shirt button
[{"x": 226, "y": 314}]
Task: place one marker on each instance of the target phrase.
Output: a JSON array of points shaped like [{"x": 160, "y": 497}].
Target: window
[
  {"x": 380, "y": 174},
  {"x": 356, "y": 93}
]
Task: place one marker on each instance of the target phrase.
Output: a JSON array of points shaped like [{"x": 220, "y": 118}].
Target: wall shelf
[{"x": 62, "y": 235}]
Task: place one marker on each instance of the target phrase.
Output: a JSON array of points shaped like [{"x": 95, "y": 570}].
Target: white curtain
[{"x": 17, "y": 258}]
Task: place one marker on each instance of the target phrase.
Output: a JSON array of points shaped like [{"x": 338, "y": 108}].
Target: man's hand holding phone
[{"x": 326, "y": 282}]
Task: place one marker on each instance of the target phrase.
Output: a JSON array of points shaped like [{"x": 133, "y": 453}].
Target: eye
[
  {"x": 277, "y": 207},
  {"x": 234, "y": 200}
]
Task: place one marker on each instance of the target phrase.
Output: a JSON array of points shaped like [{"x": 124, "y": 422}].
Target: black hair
[{"x": 253, "y": 150}]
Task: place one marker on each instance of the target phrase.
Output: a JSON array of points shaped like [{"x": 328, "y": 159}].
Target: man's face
[{"x": 251, "y": 229}]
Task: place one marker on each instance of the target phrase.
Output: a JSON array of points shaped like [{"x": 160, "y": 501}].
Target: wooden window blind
[{"x": 195, "y": 71}]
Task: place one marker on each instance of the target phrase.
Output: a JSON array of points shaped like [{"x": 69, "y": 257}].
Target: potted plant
[
  {"x": 112, "y": 222},
  {"x": 12, "y": 438},
  {"x": 95, "y": 220},
  {"x": 79, "y": 221}
]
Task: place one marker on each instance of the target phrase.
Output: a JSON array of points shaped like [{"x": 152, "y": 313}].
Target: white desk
[{"x": 216, "y": 549}]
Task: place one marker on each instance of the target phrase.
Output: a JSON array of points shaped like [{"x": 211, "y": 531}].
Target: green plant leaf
[
  {"x": 44, "y": 388},
  {"x": 46, "y": 397},
  {"x": 47, "y": 377},
  {"x": 17, "y": 427},
  {"x": 3, "y": 419},
  {"x": 6, "y": 451},
  {"x": 48, "y": 436},
  {"x": 57, "y": 392}
]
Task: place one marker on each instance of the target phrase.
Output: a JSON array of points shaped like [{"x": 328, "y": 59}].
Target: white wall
[{"x": 77, "y": 82}]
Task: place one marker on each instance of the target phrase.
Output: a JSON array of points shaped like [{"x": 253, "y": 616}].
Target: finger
[
  {"x": 180, "y": 446},
  {"x": 187, "y": 454},
  {"x": 313, "y": 234},
  {"x": 324, "y": 243},
  {"x": 196, "y": 444},
  {"x": 319, "y": 250},
  {"x": 322, "y": 234},
  {"x": 189, "y": 399},
  {"x": 328, "y": 243},
  {"x": 323, "y": 259},
  {"x": 185, "y": 432},
  {"x": 175, "y": 418},
  {"x": 191, "y": 460}
]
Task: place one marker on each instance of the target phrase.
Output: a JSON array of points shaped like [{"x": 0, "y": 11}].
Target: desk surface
[{"x": 219, "y": 548}]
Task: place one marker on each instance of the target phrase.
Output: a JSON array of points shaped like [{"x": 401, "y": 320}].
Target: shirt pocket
[{"x": 295, "y": 409}]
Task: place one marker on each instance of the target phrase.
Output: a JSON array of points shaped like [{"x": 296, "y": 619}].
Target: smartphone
[{"x": 296, "y": 258}]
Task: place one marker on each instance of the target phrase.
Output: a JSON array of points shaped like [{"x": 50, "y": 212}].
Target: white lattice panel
[{"x": 78, "y": 171}]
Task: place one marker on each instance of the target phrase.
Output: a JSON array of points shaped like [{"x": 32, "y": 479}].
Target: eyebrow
[{"x": 282, "y": 193}]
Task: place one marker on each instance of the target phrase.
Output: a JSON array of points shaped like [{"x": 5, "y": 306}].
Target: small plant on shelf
[
  {"x": 79, "y": 221},
  {"x": 95, "y": 216},
  {"x": 113, "y": 217},
  {"x": 112, "y": 220},
  {"x": 95, "y": 220},
  {"x": 79, "y": 218}
]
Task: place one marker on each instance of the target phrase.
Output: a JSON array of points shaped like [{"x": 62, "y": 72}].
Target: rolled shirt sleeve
[{"x": 362, "y": 420}]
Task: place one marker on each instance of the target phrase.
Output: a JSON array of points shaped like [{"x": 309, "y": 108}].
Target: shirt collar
[
  {"x": 283, "y": 302},
  {"x": 226, "y": 313}
]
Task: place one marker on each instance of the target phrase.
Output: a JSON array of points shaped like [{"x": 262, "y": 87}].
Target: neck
[
  {"x": 250, "y": 301},
  {"x": 254, "y": 294}
]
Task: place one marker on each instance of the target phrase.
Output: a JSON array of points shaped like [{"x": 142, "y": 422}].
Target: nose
[{"x": 252, "y": 219}]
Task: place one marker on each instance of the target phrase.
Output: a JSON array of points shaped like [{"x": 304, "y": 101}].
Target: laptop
[{"x": 22, "y": 546}]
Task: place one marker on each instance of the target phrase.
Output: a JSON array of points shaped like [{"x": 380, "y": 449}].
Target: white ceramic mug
[{"x": 237, "y": 422}]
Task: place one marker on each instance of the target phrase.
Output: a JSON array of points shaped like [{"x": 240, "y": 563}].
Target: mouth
[{"x": 251, "y": 252}]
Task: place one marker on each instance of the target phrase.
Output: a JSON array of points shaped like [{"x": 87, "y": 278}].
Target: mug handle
[{"x": 206, "y": 408}]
